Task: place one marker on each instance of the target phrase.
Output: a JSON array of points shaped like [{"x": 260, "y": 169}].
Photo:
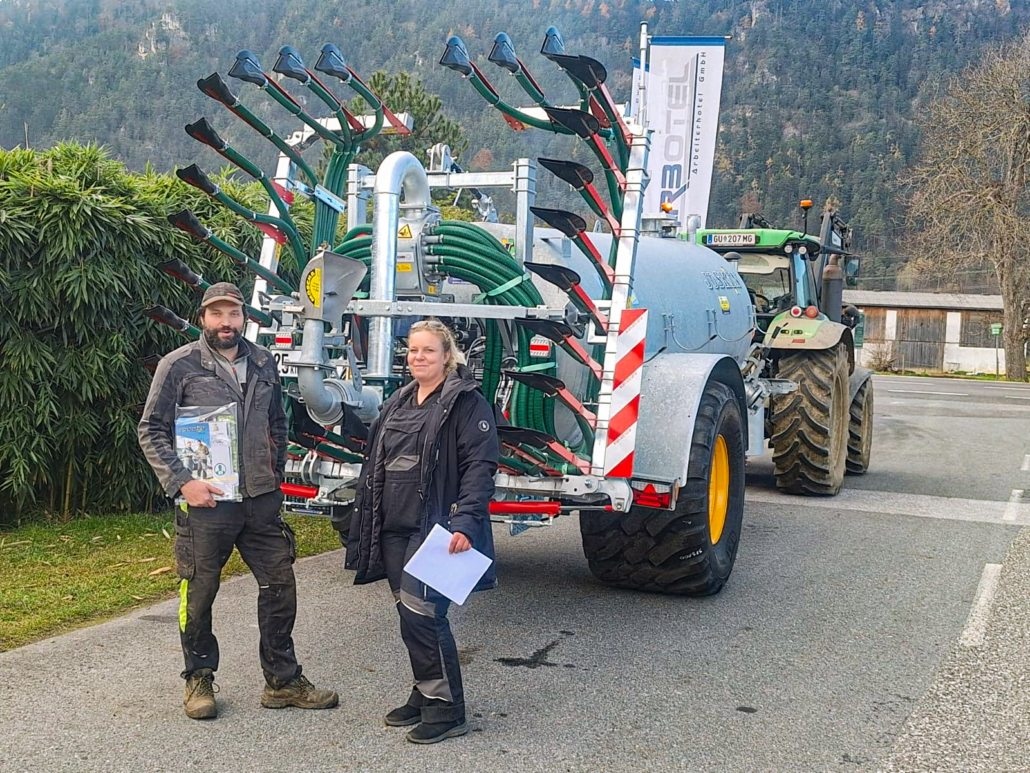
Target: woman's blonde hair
[{"x": 450, "y": 345}]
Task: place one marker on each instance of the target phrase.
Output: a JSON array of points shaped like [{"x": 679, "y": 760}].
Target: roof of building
[{"x": 899, "y": 300}]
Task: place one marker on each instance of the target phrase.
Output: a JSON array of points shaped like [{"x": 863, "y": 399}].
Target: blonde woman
[{"x": 432, "y": 456}]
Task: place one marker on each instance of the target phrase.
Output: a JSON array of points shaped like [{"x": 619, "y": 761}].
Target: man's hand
[
  {"x": 459, "y": 543},
  {"x": 197, "y": 493}
]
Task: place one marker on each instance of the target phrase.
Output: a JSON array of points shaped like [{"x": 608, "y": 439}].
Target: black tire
[
  {"x": 860, "y": 430},
  {"x": 671, "y": 551},
  {"x": 810, "y": 426}
]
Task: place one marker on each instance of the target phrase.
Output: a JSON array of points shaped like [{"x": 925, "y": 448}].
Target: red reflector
[
  {"x": 293, "y": 490},
  {"x": 542, "y": 507},
  {"x": 798, "y": 341},
  {"x": 651, "y": 498},
  {"x": 811, "y": 312},
  {"x": 284, "y": 340},
  {"x": 796, "y": 311}
]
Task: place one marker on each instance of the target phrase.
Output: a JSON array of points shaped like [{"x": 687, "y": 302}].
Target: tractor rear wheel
[
  {"x": 860, "y": 430},
  {"x": 810, "y": 426},
  {"x": 689, "y": 550}
]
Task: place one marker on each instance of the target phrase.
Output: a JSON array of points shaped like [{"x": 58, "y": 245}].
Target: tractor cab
[{"x": 784, "y": 269}]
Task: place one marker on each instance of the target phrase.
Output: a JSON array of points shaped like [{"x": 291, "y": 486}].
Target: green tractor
[{"x": 824, "y": 426}]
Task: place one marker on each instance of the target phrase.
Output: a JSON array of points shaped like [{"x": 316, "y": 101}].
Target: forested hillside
[{"x": 818, "y": 100}]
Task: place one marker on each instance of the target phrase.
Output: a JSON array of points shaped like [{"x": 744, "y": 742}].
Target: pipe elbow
[{"x": 402, "y": 173}]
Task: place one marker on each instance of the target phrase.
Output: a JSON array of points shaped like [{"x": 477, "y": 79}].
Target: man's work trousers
[
  {"x": 204, "y": 539},
  {"x": 426, "y": 633}
]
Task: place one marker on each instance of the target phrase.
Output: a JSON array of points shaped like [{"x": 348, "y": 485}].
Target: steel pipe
[{"x": 399, "y": 174}]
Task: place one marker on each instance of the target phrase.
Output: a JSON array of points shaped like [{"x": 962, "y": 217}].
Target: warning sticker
[
  {"x": 404, "y": 268},
  {"x": 405, "y": 232},
  {"x": 313, "y": 287},
  {"x": 724, "y": 304},
  {"x": 539, "y": 347}
]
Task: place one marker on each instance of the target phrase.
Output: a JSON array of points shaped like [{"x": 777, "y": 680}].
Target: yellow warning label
[
  {"x": 431, "y": 290},
  {"x": 724, "y": 303},
  {"x": 313, "y": 287},
  {"x": 405, "y": 232},
  {"x": 404, "y": 268}
]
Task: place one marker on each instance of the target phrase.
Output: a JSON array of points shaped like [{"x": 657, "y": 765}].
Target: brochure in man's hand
[{"x": 206, "y": 440}]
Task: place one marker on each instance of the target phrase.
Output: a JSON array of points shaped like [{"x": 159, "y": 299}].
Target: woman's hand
[{"x": 459, "y": 543}]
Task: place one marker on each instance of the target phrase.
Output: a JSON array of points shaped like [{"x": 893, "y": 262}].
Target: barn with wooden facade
[{"x": 942, "y": 332}]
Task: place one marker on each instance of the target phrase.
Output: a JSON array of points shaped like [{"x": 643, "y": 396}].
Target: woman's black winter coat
[{"x": 458, "y": 468}]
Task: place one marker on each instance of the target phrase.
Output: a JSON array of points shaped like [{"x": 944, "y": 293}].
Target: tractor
[{"x": 795, "y": 279}]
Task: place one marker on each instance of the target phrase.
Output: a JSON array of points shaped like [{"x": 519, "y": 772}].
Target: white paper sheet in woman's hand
[{"x": 452, "y": 574}]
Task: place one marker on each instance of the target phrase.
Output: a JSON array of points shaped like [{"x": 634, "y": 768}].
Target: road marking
[
  {"x": 976, "y": 624},
  {"x": 1016, "y": 397},
  {"x": 1012, "y": 508},
  {"x": 892, "y": 503},
  {"x": 1007, "y": 389},
  {"x": 922, "y": 392},
  {"x": 1026, "y": 463}
]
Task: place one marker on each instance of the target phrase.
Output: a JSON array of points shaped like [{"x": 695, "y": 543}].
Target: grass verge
[{"x": 57, "y": 577}]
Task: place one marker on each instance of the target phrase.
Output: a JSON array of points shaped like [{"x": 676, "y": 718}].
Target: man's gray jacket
[{"x": 190, "y": 376}]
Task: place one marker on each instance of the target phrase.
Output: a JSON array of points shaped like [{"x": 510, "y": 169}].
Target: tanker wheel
[
  {"x": 860, "y": 430},
  {"x": 810, "y": 426},
  {"x": 690, "y": 550}
]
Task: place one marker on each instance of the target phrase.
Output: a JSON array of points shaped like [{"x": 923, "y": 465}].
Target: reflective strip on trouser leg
[
  {"x": 431, "y": 649},
  {"x": 183, "y": 595}
]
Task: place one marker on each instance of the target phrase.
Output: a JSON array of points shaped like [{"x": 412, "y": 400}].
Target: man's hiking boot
[
  {"x": 298, "y": 692},
  {"x": 404, "y": 716},
  {"x": 200, "y": 697},
  {"x": 434, "y": 732}
]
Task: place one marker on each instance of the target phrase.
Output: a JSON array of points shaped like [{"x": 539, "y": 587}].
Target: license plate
[{"x": 731, "y": 240}]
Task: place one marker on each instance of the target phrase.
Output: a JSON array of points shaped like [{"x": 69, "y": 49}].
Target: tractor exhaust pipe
[{"x": 400, "y": 173}]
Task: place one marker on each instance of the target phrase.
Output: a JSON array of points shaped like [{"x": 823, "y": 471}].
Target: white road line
[
  {"x": 1026, "y": 463},
  {"x": 976, "y": 624},
  {"x": 1007, "y": 389},
  {"x": 1016, "y": 397},
  {"x": 1012, "y": 508},
  {"x": 891, "y": 503},
  {"x": 921, "y": 392}
]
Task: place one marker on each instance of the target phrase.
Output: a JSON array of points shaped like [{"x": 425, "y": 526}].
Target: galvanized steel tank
[{"x": 696, "y": 300}]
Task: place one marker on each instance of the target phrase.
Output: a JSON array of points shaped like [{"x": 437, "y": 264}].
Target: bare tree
[{"x": 969, "y": 205}]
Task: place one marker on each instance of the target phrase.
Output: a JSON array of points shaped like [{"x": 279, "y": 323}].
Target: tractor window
[{"x": 768, "y": 280}]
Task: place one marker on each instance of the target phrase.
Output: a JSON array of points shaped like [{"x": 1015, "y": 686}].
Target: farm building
[{"x": 944, "y": 332}]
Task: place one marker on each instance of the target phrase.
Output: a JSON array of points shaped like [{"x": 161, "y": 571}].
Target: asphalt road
[{"x": 837, "y": 644}]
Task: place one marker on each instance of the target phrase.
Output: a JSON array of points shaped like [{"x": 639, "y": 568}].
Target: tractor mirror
[
  {"x": 503, "y": 54},
  {"x": 456, "y": 57},
  {"x": 576, "y": 121},
  {"x": 291, "y": 65},
  {"x": 248, "y": 68},
  {"x": 331, "y": 62},
  {"x": 852, "y": 266},
  {"x": 204, "y": 132},
  {"x": 187, "y": 221},
  {"x": 576, "y": 175},
  {"x": 569, "y": 223},
  {"x": 218, "y": 90},
  {"x": 194, "y": 175},
  {"x": 554, "y": 44}
]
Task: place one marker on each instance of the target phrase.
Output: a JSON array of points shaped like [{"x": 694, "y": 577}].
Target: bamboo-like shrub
[{"x": 80, "y": 237}]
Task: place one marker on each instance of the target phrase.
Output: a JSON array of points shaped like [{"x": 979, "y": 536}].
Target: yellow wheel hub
[{"x": 718, "y": 489}]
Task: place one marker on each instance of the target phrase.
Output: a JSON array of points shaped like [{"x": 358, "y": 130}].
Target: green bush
[{"x": 79, "y": 241}]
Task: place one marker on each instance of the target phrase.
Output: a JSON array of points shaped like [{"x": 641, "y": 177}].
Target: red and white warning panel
[{"x": 625, "y": 407}]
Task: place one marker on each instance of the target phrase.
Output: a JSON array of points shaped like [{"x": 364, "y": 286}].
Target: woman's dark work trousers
[
  {"x": 204, "y": 539},
  {"x": 426, "y": 633}
]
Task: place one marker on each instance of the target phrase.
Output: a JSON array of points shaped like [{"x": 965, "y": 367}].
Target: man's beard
[{"x": 215, "y": 341}]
